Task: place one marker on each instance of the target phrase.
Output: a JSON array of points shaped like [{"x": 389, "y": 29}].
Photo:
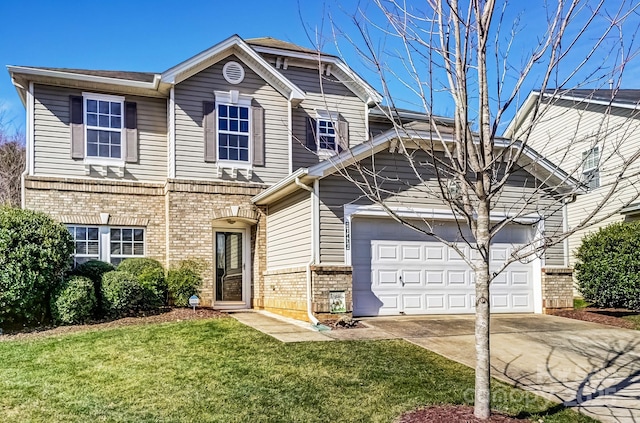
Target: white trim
[
  {"x": 374, "y": 210},
  {"x": 98, "y": 160},
  {"x": 371, "y": 95},
  {"x": 31, "y": 111},
  {"x": 87, "y": 78},
  {"x": 315, "y": 208},
  {"x": 367, "y": 134},
  {"x": 172, "y": 135},
  {"x": 182, "y": 69},
  {"x": 565, "y": 229},
  {"x": 536, "y": 265},
  {"x": 234, "y": 99},
  {"x": 290, "y": 135}
]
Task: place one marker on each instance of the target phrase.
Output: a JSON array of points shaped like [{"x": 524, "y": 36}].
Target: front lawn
[{"x": 219, "y": 370}]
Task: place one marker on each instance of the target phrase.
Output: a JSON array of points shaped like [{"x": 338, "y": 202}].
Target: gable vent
[{"x": 233, "y": 72}]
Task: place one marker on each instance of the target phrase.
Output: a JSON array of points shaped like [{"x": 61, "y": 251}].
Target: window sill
[
  {"x": 326, "y": 153},
  {"x": 103, "y": 161},
  {"x": 232, "y": 164}
]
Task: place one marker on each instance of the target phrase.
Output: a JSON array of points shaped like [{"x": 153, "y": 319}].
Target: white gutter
[
  {"x": 303, "y": 171},
  {"x": 312, "y": 318},
  {"x": 87, "y": 78},
  {"x": 290, "y": 135},
  {"x": 28, "y": 168}
]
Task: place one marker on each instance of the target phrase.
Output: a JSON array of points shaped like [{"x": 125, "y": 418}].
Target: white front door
[{"x": 232, "y": 279}]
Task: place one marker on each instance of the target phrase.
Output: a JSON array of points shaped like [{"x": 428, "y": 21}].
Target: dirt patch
[
  {"x": 172, "y": 315},
  {"x": 452, "y": 413},
  {"x": 597, "y": 315}
]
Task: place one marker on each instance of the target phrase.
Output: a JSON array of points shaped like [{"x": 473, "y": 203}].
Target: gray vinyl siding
[
  {"x": 566, "y": 130},
  {"x": 331, "y": 95},
  {"x": 53, "y": 137},
  {"x": 190, "y": 94},
  {"x": 403, "y": 189},
  {"x": 289, "y": 232}
]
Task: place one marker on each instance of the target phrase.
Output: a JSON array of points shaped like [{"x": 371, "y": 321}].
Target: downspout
[
  {"x": 29, "y": 145},
  {"x": 310, "y": 315}
]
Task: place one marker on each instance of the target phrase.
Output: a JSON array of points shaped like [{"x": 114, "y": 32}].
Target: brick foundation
[
  {"x": 330, "y": 278},
  {"x": 557, "y": 288},
  {"x": 285, "y": 292}
]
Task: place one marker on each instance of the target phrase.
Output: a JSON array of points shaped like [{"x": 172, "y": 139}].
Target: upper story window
[
  {"x": 233, "y": 132},
  {"x": 104, "y": 123},
  {"x": 104, "y": 129},
  {"x": 590, "y": 168},
  {"x": 327, "y": 133}
]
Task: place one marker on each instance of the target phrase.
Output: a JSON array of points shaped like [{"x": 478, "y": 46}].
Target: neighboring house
[
  {"x": 237, "y": 157},
  {"x": 590, "y": 134}
]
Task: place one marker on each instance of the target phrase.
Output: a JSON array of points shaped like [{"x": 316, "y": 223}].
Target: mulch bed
[
  {"x": 342, "y": 325},
  {"x": 453, "y": 413},
  {"x": 605, "y": 316},
  {"x": 172, "y": 315}
]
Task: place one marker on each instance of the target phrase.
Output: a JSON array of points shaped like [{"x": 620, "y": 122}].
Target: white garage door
[{"x": 395, "y": 273}]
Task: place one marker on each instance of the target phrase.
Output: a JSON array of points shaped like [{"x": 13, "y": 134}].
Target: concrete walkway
[{"x": 281, "y": 328}]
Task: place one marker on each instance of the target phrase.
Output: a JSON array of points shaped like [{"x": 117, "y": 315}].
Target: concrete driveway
[{"x": 591, "y": 367}]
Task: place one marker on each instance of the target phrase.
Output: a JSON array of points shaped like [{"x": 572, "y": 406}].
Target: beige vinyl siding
[
  {"x": 289, "y": 232},
  {"x": 190, "y": 94},
  {"x": 403, "y": 189},
  {"x": 53, "y": 137},
  {"x": 566, "y": 130},
  {"x": 322, "y": 93}
]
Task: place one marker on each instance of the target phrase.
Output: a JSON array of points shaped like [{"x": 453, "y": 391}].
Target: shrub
[
  {"x": 74, "y": 302},
  {"x": 185, "y": 281},
  {"x": 151, "y": 276},
  {"x": 608, "y": 268},
  {"x": 122, "y": 293},
  {"x": 35, "y": 251},
  {"x": 94, "y": 269}
]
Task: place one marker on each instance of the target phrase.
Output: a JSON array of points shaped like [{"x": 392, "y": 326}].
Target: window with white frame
[
  {"x": 326, "y": 135},
  {"x": 233, "y": 132},
  {"x": 590, "y": 168},
  {"x": 126, "y": 243},
  {"x": 104, "y": 123},
  {"x": 233, "y": 123},
  {"x": 108, "y": 244},
  {"x": 86, "y": 243}
]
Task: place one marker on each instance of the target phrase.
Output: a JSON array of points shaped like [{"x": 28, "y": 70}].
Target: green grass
[
  {"x": 222, "y": 371},
  {"x": 635, "y": 319},
  {"x": 579, "y": 304}
]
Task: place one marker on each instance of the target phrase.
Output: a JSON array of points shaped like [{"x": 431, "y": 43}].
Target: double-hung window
[
  {"x": 590, "y": 168},
  {"x": 105, "y": 243},
  {"x": 233, "y": 132},
  {"x": 233, "y": 127},
  {"x": 104, "y": 121}
]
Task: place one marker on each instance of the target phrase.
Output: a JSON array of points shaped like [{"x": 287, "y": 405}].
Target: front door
[{"x": 230, "y": 268}]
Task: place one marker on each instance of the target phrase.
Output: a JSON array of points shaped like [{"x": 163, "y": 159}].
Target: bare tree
[
  {"x": 469, "y": 52},
  {"x": 12, "y": 164}
]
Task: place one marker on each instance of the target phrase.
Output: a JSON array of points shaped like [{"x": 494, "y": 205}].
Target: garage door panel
[
  {"x": 435, "y": 277},
  {"x": 419, "y": 276},
  {"x": 456, "y": 277},
  {"x": 412, "y": 277},
  {"x": 411, "y": 253}
]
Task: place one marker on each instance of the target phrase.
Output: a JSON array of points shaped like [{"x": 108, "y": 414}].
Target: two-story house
[
  {"x": 593, "y": 135},
  {"x": 240, "y": 157}
]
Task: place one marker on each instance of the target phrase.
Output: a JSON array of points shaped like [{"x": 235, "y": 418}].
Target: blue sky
[{"x": 141, "y": 35}]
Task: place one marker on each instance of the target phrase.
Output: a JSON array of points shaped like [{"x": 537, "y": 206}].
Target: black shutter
[
  {"x": 209, "y": 128},
  {"x": 312, "y": 138},
  {"x": 131, "y": 131},
  {"x": 257, "y": 125},
  {"x": 76, "y": 125}
]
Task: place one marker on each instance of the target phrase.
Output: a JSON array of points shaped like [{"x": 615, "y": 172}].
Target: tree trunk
[{"x": 482, "y": 405}]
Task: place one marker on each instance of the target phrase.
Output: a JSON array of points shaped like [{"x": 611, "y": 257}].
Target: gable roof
[
  {"x": 234, "y": 45},
  {"x": 282, "y": 45},
  {"x": 113, "y": 74},
  {"x": 621, "y": 98},
  {"x": 545, "y": 171}
]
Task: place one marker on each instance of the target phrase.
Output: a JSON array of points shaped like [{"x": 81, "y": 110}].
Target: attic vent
[{"x": 233, "y": 72}]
